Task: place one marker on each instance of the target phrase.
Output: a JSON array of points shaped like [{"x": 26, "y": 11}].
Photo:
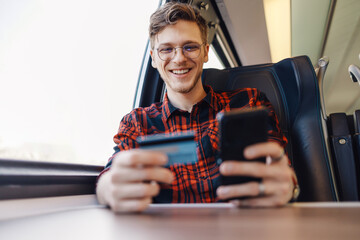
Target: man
[{"x": 134, "y": 178}]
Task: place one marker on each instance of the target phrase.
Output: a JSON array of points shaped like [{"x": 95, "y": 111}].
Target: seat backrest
[
  {"x": 292, "y": 88},
  {"x": 340, "y": 127}
]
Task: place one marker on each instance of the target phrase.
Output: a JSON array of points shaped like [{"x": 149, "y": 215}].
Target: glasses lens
[
  {"x": 166, "y": 53},
  {"x": 191, "y": 50}
]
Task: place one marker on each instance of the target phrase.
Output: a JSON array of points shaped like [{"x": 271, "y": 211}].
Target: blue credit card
[{"x": 180, "y": 147}]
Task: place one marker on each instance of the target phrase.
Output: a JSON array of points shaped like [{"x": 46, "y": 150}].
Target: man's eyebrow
[
  {"x": 171, "y": 44},
  {"x": 165, "y": 44}
]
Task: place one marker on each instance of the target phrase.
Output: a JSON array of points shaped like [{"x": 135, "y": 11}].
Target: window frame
[{"x": 31, "y": 179}]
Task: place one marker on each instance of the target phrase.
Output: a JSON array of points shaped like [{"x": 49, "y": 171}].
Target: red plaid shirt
[{"x": 195, "y": 183}]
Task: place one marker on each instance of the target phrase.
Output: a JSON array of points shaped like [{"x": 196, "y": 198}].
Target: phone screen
[{"x": 239, "y": 129}]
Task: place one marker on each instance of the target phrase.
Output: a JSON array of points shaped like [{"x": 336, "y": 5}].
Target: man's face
[{"x": 181, "y": 74}]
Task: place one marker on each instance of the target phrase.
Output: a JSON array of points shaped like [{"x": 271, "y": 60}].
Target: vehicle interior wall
[{"x": 317, "y": 28}]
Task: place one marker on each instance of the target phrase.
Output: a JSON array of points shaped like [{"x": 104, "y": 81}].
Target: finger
[
  {"x": 272, "y": 149},
  {"x": 126, "y": 174},
  {"x": 136, "y": 190},
  {"x": 133, "y": 205},
  {"x": 275, "y": 194},
  {"x": 250, "y": 189},
  {"x": 256, "y": 169},
  {"x": 267, "y": 201},
  {"x": 140, "y": 157},
  {"x": 243, "y": 168}
]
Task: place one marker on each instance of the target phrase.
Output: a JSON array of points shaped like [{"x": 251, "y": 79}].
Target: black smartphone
[{"x": 239, "y": 129}]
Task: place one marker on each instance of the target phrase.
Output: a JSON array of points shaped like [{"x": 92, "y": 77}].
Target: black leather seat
[{"x": 292, "y": 88}]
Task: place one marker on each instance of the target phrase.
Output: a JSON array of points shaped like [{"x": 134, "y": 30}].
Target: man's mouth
[{"x": 180, "y": 71}]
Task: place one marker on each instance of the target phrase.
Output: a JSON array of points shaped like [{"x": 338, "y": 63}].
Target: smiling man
[
  {"x": 134, "y": 178},
  {"x": 179, "y": 53}
]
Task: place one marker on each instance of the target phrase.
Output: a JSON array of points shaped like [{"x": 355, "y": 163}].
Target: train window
[
  {"x": 214, "y": 60},
  {"x": 68, "y": 73}
]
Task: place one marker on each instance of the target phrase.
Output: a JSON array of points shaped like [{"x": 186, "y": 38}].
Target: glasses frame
[{"x": 183, "y": 51}]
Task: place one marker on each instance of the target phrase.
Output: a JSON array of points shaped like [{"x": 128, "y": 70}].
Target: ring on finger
[{"x": 261, "y": 189}]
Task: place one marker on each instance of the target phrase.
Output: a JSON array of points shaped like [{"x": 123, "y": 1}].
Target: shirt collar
[
  {"x": 211, "y": 99},
  {"x": 167, "y": 108}
]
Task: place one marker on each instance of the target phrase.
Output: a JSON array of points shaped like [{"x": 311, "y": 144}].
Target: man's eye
[
  {"x": 166, "y": 50},
  {"x": 191, "y": 48}
]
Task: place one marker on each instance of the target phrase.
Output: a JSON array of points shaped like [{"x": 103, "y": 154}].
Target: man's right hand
[{"x": 131, "y": 182}]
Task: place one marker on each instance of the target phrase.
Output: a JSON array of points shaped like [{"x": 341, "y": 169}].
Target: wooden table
[{"x": 191, "y": 221}]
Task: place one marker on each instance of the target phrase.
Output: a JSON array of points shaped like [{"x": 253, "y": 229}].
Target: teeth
[{"x": 180, "y": 71}]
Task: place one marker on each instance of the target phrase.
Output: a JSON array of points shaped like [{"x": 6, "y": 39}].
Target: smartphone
[{"x": 239, "y": 129}]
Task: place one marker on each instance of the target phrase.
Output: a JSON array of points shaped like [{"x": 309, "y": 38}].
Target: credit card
[{"x": 180, "y": 147}]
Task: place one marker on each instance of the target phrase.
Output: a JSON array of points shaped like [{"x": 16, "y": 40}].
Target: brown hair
[{"x": 170, "y": 13}]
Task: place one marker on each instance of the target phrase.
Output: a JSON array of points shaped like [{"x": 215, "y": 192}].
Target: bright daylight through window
[{"x": 68, "y": 71}]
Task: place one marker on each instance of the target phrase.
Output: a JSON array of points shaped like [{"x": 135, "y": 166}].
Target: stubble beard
[{"x": 185, "y": 89}]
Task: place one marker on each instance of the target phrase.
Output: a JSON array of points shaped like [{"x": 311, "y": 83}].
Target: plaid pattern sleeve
[
  {"x": 194, "y": 183},
  {"x": 129, "y": 130}
]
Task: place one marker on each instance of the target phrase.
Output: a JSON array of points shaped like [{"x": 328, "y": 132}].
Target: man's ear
[
  {"x": 206, "y": 56},
  {"x": 153, "y": 64}
]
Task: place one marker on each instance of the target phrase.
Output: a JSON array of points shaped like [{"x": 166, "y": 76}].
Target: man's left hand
[{"x": 276, "y": 187}]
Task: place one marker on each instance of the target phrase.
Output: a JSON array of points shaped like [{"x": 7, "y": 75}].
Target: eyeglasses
[{"x": 190, "y": 50}]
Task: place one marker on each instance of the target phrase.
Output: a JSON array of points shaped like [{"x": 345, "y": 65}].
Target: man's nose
[{"x": 179, "y": 55}]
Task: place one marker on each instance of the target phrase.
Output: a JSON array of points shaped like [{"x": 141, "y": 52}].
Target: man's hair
[{"x": 170, "y": 13}]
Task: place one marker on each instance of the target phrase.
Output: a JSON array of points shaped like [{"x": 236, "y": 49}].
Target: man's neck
[{"x": 186, "y": 101}]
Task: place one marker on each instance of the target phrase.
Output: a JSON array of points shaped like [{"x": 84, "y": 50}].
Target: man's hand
[
  {"x": 132, "y": 180},
  {"x": 277, "y": 177}
]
